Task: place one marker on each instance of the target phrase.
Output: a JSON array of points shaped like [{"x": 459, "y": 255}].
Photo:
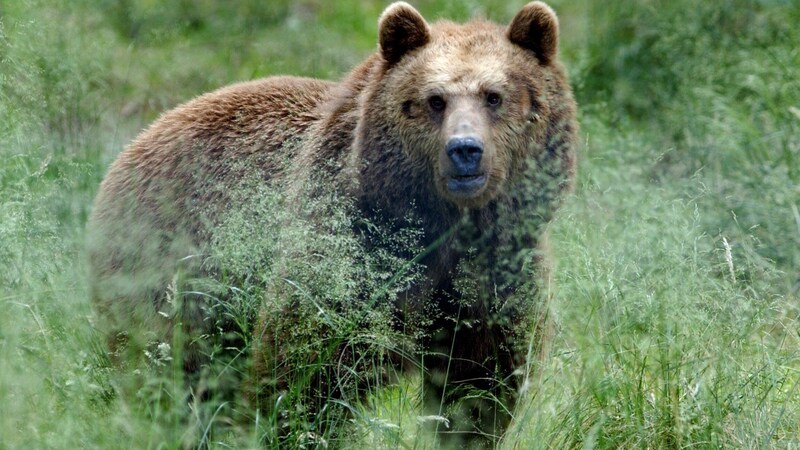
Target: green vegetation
[{"x": 678, "y": 256}]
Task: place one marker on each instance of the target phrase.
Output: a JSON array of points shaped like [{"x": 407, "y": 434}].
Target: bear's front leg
[
  {"x": 493, "y": 331},
  {"x": 473, "y": 372}
]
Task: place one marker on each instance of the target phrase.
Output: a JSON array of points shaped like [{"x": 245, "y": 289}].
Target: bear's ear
[
  {"x": 401, "y": 29},
  {"x": 535, "y": 27}
]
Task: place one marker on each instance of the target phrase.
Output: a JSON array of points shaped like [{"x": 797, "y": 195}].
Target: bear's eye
[
  {"x": 493, "y": 99},
  {"x": 406, "y": 107},
  {"x": 437, "y": 103}
]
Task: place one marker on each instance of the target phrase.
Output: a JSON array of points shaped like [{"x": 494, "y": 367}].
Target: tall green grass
[{"x": 678, "y": 255}]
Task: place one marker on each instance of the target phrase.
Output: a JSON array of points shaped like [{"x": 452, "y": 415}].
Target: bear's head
[{"x": 467, "y": 103}]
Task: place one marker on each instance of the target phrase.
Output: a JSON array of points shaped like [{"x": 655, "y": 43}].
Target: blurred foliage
[
  {"x": 713, "y": 83},
  {"x": 154, "y": 21},
  {"x": 642, "y": 54}
]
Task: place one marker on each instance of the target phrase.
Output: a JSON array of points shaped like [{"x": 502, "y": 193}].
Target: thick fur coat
[{"x": 465, "y": 131}]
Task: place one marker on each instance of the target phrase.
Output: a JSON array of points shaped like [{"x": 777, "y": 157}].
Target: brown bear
[{"x": 466, "y": 132}]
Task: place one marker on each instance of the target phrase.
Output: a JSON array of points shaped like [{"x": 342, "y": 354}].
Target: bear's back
[
  {"x": 162, "y": 191},
  {"x": 237, "y": 121}
]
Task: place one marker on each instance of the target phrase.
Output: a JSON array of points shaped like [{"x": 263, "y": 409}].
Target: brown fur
[{"x": 379, "y": 139}]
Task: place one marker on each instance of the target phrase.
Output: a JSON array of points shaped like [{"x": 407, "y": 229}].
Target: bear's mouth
[{"x": 466, "y": 185}]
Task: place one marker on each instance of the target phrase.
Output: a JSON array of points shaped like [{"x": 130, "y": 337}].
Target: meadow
[{"x": 678, "y": 255}]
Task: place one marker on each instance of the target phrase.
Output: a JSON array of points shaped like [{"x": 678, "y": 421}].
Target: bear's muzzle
[{"x": 465, "y": 154}]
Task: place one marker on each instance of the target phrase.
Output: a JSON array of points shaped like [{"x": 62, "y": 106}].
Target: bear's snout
[{"x": 465, "y": 154}]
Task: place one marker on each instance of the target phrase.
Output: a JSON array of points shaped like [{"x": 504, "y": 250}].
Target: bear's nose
[{"x": 466, "y": 153}]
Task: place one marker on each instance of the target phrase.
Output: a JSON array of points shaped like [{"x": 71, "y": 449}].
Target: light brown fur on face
[
  {"x": 464, "y": 64},
  {"x": 466, "y": 131}
]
